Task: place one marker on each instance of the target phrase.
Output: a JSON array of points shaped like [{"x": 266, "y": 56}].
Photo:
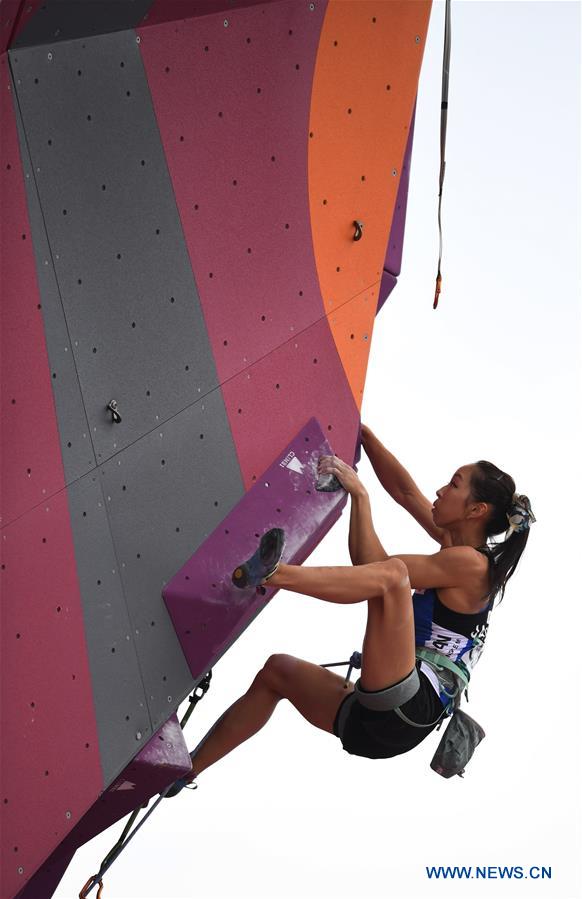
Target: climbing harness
[
  {"x": 444, "y": 111},
  {"x": 462, "y": 734},
  {"x": 115, "y": 852},
  {"x": 459, "y": 681}
]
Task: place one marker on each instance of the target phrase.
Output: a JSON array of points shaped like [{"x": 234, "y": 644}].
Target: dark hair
[{"x": 491, "y": 485}]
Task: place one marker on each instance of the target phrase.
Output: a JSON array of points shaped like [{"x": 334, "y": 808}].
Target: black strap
[{"x": 444, "y": 111}]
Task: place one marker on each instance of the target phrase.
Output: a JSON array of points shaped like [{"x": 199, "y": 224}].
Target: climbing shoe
[
  {"x": 179, "y": 786},
  {"x": 182, "y": 782},
  {"x": 263, "y": 563}
]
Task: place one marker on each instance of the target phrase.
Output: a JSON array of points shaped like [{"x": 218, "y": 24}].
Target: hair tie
[{"x": 520, "y": 515}]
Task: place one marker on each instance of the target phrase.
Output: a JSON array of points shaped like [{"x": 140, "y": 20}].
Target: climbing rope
[{"x": 444, "y": 111}]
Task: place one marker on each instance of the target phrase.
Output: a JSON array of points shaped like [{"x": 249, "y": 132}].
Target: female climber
[{"x": 399, "y": 697}]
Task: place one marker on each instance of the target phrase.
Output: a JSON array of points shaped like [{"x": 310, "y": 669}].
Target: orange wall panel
[{"x": 364, "y": 88}]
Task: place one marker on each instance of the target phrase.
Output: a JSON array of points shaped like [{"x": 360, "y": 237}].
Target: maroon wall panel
[
  {"x": 245, "y": 212},
  {"x": 14, "y": 14},
  {"x": 27, "y": 406},
  {"x": 42, "y": 620},
  {"x": 169, "y": 10},
  {"x": 268, "y": 402},
  {"x": 47, "y": 731}
]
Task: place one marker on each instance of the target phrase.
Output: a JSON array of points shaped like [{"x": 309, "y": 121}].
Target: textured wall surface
[{"x": 180, "y": 186}]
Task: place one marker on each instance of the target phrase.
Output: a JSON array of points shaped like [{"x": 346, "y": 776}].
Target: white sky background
[{"x": 494, "y": 373}]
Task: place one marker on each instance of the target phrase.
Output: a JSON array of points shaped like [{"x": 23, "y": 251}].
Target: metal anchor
[{"x": 112, "y": 407}]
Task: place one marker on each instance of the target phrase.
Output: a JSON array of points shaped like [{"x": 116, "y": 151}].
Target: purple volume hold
[{"x": 207, "y": 610}]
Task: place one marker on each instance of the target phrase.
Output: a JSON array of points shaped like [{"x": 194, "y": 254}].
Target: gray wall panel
[
  {"x": 164, "y": 495},
  {"x": 121, "y": 262},
  {"x": 76, "y": 447},
  {"x": 120, "y": 703}
]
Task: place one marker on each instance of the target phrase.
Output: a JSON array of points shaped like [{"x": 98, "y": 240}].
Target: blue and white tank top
[{"x": 458, "y": 635}]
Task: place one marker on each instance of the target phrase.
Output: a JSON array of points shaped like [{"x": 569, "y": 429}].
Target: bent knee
[
  {"x": 277, "y": 668},
  {"x": 394, "y": 575}
]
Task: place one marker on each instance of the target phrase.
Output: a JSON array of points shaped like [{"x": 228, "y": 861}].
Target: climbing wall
[{"x": 180, "y": 186}]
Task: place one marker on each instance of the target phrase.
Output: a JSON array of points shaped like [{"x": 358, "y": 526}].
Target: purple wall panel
[
  {"x": 396, "y": 240},
  {"x": 207, "y": 610},
  {"x": 246, "y": 218},
  {"x": 386, "y": 287},
  {"x": 162, "y": 761}
]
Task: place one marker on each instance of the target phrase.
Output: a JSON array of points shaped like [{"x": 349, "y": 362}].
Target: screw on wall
[
  {"x": 112, "y": 407},
  {"x": 359, "y": 226}
]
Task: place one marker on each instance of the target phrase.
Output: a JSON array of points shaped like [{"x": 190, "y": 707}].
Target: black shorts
[{"x": 381, "y": 735}]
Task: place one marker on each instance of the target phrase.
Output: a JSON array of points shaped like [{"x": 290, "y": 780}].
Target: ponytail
[{"x": 511, "y": 514}]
